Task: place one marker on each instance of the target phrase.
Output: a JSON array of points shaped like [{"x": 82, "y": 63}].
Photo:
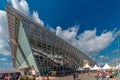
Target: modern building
[{"x": 33, "y": 45}]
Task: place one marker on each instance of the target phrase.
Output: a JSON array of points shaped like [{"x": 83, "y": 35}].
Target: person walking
[
  {"x": 112, "y": 77},
  {"x": 104, "y": 76},
  {"x": 73, "y": 76},
  {"x": 47, "y": 78},
  {"x": 97, "y": 76},
  {"x": 76, "y": 76},
  {"x": 43, "y": 78}
]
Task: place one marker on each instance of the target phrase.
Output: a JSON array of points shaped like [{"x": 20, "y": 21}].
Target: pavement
[{"x": 80, "y": 77}]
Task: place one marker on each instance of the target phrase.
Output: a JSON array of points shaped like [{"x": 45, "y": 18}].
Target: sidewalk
[{"x": 80, "y": 77}]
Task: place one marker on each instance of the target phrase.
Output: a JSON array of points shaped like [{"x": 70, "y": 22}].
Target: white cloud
[
  {"x": 58, "y": 31},
  {"x": 101, "y": 64},
  {"x": 114, "y": 61},
  {"x": 87, "y": 41},
  {"x": 4, "y": 41},
  {"x": 3, "y": 59},
  {"x": 23, "y": 7},
  {"x": 117, "y": 34},
  {"x": 115, "y": 51},
  {"x": 102, "y": 57},
  {"x": 90, "y": 43},
  {"x": 36, "y": 18},
  {"x": 69, "y": 34},
  {"x": 3, "y": 25},
  {"x": 50, "y": 28}
]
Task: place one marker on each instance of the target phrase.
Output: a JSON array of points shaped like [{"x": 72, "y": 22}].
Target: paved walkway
[{"x": 81, "y": 77}]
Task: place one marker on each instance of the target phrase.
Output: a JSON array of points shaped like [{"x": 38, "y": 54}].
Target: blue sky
[{"x": 89, "y": 25}]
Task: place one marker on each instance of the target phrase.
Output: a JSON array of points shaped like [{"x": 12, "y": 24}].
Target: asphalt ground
[{"x": 80, "y": 77}]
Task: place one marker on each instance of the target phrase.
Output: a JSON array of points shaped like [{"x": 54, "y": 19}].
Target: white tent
[
  {"x": 87, "y": 66},
  {"x": 79, "y": 69},
  {"x": 117, "y": 66},
  {"x": 106, "y": 66},
  {"x": 113, "y": 67},
  {"x": 95, "y": 67}
]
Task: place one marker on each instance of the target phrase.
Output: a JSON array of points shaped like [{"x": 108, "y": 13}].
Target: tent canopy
[
  {"x": 96, "y": 67},
  {"x": 79, "y": 69},
  {"x": 106, "y": 66},
  {"x": 117, "y": 66},
  {"x": 87, "y": 66}
]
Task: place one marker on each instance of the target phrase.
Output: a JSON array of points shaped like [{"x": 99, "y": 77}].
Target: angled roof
[
  {"x": 96, "y": 67},
  {"x": 106, "y": 66},
  {"x": 87, "y": 66}
]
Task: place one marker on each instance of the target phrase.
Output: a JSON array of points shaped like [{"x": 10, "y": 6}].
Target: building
[{"x": 33, "y": 45}]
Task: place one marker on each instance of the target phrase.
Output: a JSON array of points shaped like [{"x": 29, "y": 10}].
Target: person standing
[
  {"x": 73, "y": 76},
  {"x": 112, "y": 77},
  {"x": 43, "y": 78},
  {"x": 97, "y": 76},
  {"x": 47, "y": 78},
  {"x": 76, "y": 76}
]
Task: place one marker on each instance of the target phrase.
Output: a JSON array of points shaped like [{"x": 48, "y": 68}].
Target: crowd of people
[
  {"x": 14, "y": 76},
  {"x": 11, "y": 76},
  {"x": 106, "y": 75},
  {"x": 103, "y": 74}
]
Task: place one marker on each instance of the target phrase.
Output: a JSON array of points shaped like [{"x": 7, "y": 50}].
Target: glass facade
[
  {"x": 33, "y": 45},
  {"x": 23, "y": 42}
]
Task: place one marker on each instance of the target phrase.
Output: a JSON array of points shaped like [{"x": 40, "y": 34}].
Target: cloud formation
[
  {"x": 3, "y": 59},
  {"x": 69, "y": 34},
  {"x": 115, "y": 61},
  {"x": 88, "y": 41},
  {"x": 36, "y": 18},
  {"x": 22, "y": 6},
  {"x": 103, "y": 58},
  {"x": 4, "y": 41},
  {"x": 115, "y": 51},
  {"x": 50, "y": 28}
]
